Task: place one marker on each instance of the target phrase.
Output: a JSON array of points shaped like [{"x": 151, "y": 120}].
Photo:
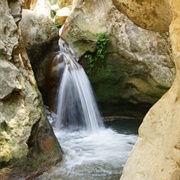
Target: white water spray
[{"x": 76, "y": 108}]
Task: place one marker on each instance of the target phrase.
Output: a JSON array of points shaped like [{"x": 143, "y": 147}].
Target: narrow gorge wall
[
  {"x": 27, "y": 142},
  {"x": 156, "y": 154}
]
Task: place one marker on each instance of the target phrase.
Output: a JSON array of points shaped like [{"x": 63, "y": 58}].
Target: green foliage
[{"x": 97, "y": 60}]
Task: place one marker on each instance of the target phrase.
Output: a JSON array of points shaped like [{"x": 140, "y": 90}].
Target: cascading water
[
  {"x": 91, "y": 151},
  {"x": 76, "y": 108}
]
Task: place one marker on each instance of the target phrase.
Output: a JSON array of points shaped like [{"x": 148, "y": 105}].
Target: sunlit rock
[
  {"x": 157, "y": 151},
  {"x": 61, "y": 15},
  {"x": 29, "y": 4},
  {"x": 148, "y": 14},
  {"x": 10, "y": 79},
  {"x": 62, "y": 3},
  {"x": 43, "y": 7}
]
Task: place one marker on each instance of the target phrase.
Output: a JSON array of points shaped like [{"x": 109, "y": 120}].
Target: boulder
[{"x": 40, "y": 34}]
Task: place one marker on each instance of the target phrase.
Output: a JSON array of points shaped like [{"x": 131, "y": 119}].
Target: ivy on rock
[{"x": 97, "y": 59}]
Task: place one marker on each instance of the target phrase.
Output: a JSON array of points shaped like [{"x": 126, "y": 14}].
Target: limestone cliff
[
  {"x": 156, "y": 154},
  {"x": 27, "y": 142}
]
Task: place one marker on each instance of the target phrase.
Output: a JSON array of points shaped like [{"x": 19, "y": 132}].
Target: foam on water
[{"x": 98, "y": 156}]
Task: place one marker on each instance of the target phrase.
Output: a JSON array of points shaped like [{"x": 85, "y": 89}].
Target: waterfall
[
  {"x": 76, "y": 105},
  {"x": 90, "y": 150}
]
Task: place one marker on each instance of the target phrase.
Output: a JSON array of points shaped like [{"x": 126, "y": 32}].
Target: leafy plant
[{"x": 97, "y": 59}]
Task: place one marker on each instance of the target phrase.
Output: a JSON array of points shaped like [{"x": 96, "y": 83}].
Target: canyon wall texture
[
  {"x": 150, "y": 14},
  {"x": 156, "y": 155},
  {"x": 27, "y": 142}
]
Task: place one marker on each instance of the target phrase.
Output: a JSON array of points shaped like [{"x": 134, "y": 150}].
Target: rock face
[
  {"x": 156, "y": 154},
  {"x": 39, "y": 34},
  {"x": 139, "y": 67},
  {"x": 151, "y": 15},
  {"x": 27, "y": 142}
]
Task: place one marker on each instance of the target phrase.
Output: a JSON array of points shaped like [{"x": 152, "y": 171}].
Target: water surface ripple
[{"x": 91, "y": 156}]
